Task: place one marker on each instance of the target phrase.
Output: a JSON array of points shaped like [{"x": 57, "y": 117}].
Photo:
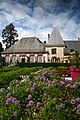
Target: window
[
  {"x": 14, "y": 59},
  {"x": 23, "y": 59},
  {"x": 39, "y": 58},
  {"x": 7, "y": 59},
  {"x": 53, "y": 51},
  {"x": 32, "y": 58},
  {"x": 71, "y": 50}
]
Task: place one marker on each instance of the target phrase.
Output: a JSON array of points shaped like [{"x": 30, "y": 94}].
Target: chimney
[
  {"x": 78, "y": 39},
  {"x": 44, "y": 41},
  {"x": 48, "y": 36}
]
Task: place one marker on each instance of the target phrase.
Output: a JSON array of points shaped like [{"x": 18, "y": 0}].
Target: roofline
[
  {"x": 23, "y": 52},
  {"x": 55, "y": 45}
]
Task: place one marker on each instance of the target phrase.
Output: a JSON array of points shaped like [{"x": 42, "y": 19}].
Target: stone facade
[{"x": 31, "y": 49}]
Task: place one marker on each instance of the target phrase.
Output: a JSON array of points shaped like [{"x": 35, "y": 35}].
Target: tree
[
  {"x": 74, "y": 59},
  {"x": 9, "y": 35},
  {"x": 1, "y": 48}
]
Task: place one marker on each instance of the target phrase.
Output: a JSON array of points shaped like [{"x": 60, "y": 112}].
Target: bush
[
  {"x": 12, "y": 73},
  {"x": 40, "y": 97},
  {"x": 45, "y": 65}
]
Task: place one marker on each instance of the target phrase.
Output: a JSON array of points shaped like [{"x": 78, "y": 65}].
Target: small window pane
[
  {"x": 31, "y": 58},
  {"x": 54, "y": 51},
  {"x": 39, "y": 58}
]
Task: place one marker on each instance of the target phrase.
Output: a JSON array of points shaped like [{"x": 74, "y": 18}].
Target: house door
[{"x": 23, "y": 59}]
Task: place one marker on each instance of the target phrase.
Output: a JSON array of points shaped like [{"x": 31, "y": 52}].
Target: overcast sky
[{"x": 38, "y": 17}]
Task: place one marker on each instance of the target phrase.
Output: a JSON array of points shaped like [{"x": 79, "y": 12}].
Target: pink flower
[
  {"x": 27, "y": 106},
  {"x": 32, "y": 89},
  {"x": 78, "y": 112},
  {"x": 27, "y": 90},
  {"x": 62, "y": 105},
  {"x": 73, "y": 101},
  {"x": 78, "y": 99},
  {"x": 34, "y": 84},
  {"x": 31, "y": 103},
  {"x": 38, "y": 104},
  {"x": 9, "y": 101},
  {"x": 29, "y": 97},
  {"x": 78, "y": 106},
  {"x": 15, "y": 114}
]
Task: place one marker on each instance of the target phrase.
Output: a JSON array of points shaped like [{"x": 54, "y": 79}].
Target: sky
[{"x": 36, "y": 18}]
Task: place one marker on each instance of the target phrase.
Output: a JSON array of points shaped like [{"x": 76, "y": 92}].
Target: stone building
[{"x": 31, "y": 49}]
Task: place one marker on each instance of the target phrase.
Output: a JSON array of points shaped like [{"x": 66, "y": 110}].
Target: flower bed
[{"x": 41, "y": 96}]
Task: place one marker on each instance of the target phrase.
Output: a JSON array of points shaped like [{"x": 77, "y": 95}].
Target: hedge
[{"x": 55, "y": 65}]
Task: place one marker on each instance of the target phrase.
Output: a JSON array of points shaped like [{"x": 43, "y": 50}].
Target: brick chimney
[
  {"x": 48, "y": 36},
  {"x": 78, "y": 39}
]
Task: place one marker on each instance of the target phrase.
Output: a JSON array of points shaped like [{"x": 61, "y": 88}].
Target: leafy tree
[
  {"x": 9, "y": 35},
  {"x": 1, "y": 48},
  {"x": 74, "y": 59}
]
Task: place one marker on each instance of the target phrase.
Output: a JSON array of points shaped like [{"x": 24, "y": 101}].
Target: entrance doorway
[{"x": 23, "y": 59}]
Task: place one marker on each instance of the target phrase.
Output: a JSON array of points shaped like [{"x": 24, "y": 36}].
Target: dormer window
[
  {"x": 71, "y": 50},
  {"x": 53, "y": 51}
]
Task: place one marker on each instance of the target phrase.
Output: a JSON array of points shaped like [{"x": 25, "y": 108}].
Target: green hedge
[
  {"x": 7, "y": 77},
  {"x": 43, "y": 64}
]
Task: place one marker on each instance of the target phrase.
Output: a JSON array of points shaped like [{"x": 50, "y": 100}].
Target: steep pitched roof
[
  {"x": 55, "y": 39},
  {"x": 71, "y": 45},
  {"x": 26, "y": 45}
]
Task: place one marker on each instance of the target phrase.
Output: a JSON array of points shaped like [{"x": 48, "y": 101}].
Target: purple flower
[
  {"x": 41, "y": 78},
  {"x": 62, "y": 105},
  {"x": 73, "y": 101},
  {"x": 78, "y": 99},
  {"x": 17, "y": 81},
  {"x": 27, "y": 106},
  {"x": 53, "y": 82},
  {"x": 27, "y": 90},
  {"x": 68, "y": 85},
  {"x": 29, "y": 97},
  {"x": 15, "y": 114},
  {"x": 57, "y": 107},
  {"x": 78, "y": 106},
  {"x": 32, "y": 89},
  {"x": 31, "y": 82},
  {"x": 38, "y": 104},
  {"x": 13, "y": 100},
  {"x": 75, "y": 85},
  {"x": 45, "y": 73},
  {"x": 17, "y": 102},
  {"x": 78, "y": 112},
  {"x": 8, "y": 101},
  {"x": 8, "y": 95},
  {"x": 31, "y": 103},
  {"x": 37, "y": 78},
  {"x": 79, "y": 83},
  {"x": 34, "y": 84},
  {"x": 62, "y": 83},
  {"x": 39, "y": 84}
]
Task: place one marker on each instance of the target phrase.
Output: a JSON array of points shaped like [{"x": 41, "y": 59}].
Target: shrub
[{"x": 41, "y": 97}]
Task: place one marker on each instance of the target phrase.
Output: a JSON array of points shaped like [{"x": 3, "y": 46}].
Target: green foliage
[
  {"x": 75, "y": 59},
  {"x": 8, "y": 74},
  {"x": 1, "y": 48},
  {"x": 9, "y": 34},
  {"x": 52, "y": 98},
  {"x": 45, "y": 65}
]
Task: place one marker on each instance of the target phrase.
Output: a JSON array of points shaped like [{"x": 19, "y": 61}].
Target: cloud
[{"x": 38, "y": 17}]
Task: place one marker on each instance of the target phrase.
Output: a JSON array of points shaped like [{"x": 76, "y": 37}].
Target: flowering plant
[{"x": 41, "y": 93}]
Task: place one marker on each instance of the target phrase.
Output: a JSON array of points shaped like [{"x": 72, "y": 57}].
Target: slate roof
[
  {"x": 71, "y": 45},
  {"x": 26, "y": 45},
  {"x": 55, "y": 38}
]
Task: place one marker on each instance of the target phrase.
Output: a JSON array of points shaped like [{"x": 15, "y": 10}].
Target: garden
[{"x": 38, "y": 93}]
